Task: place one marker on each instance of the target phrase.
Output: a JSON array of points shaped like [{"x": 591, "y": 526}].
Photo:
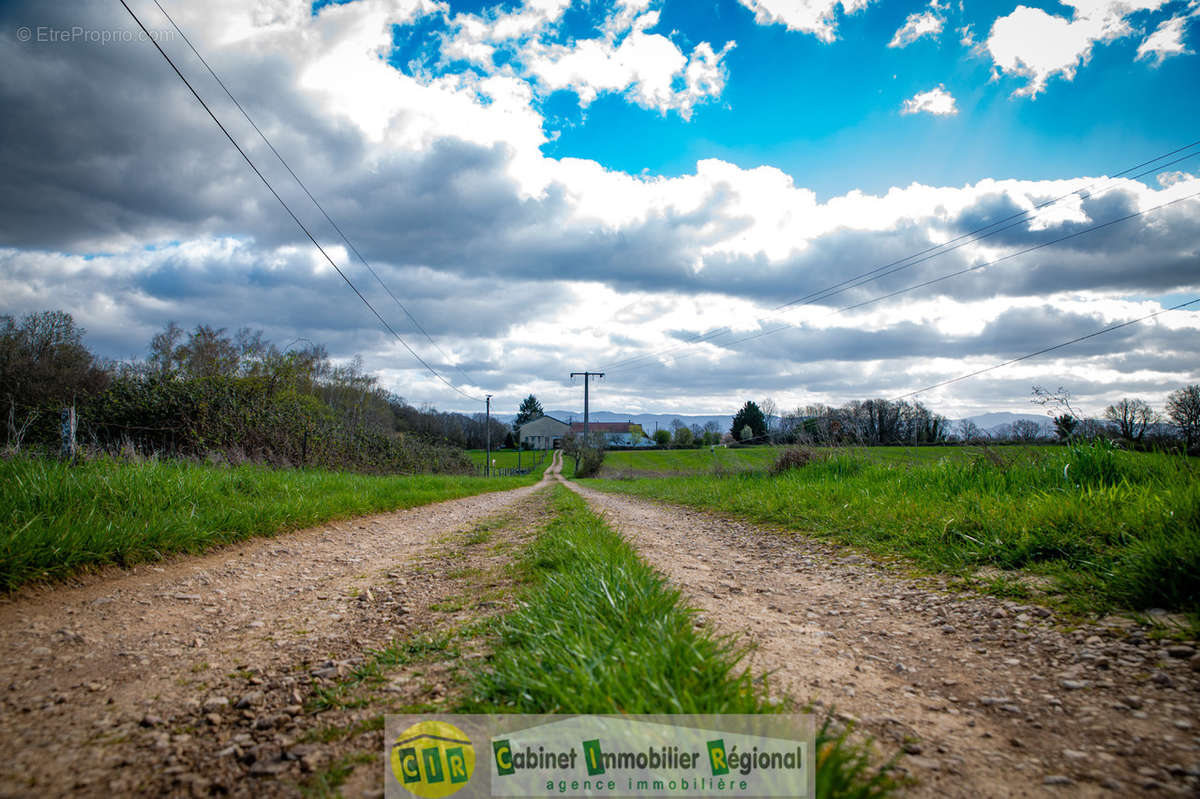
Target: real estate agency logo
[{"x": 433, "y": 759}]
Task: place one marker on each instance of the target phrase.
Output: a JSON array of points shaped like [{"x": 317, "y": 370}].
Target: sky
[{"x": 709, "y": 201}]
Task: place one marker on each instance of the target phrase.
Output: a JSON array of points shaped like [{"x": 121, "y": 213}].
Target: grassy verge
[
  {"x": 600, "y": 632},
  {"x": 1112, "y": 529},
  {"x": 58, "y": 520}
]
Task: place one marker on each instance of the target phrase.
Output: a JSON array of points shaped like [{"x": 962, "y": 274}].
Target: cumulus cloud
[
  {"x": 936, "y": 101},
  {"x": 625, "y": 58},
  {"x": 646, "y": 66},
  {"x": 1166, "y": 41},
  {"x": 1036, "y": 45},
  {"x": 817, "y": 17},
  {"x": 925, "y": 23}
]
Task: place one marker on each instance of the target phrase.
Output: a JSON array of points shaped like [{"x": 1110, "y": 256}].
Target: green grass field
[
  {"x": 750, "y": 459},
  {"x": 1111, "y": 529},
  {"x": 57, "y": 519},
  {"x": 510, "y": 459}
]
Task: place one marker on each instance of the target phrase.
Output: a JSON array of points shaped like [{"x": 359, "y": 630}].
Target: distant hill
[{"x": 990, "y": 421}]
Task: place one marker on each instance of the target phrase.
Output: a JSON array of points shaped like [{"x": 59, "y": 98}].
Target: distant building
[
  {"x": 617, "y": 434},
  {"x": 544, "y": 432}
]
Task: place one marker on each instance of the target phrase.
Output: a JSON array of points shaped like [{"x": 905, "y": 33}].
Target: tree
[
  {"x": 662, "y": 437},
  {"x": 1064, "y": 426},
  {"x": 1183, "y": 406},
  {"x": 1132, "y": 417},
  {"x": 769, "y": 410},
  {"x": 166, "y": 354},
  {"x": 588, "y": 452},
  {"x": 969, "y": 432},
  {"x": 683, "y": 436},
  {"x": 43, "y": 362},
  {"x": 1026, "y": 430},
  {"x": 750, "y": 416},
  {"x": 1068, "y": 422},
  {"x": 530, "y": 409}
]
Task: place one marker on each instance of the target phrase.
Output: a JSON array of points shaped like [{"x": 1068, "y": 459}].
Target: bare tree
[
  {"x": 1026, "y": 430},
  {"x": 969, "y": 432},
  {"x": 769, "y": 410},
  {"x": 1183, "y": 406},
  {"x": 1132, "y": 416}
]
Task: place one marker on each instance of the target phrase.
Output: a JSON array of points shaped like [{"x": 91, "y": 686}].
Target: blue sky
[
  {"x": 552, "y": 185},
  {"x": 827, "y": 113}
]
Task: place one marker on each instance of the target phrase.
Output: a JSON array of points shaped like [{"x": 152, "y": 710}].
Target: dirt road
[
  {"x": 197, "y": 675},
  {"x": 109, "y": 687},
  {"x": 990, "y": 698}
]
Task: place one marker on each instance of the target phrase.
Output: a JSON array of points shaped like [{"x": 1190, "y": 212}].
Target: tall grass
[
  {"x": 1116, "y": 528},
  {"x": 56, "y": 520},
  {"x": 601, "y": 632}
]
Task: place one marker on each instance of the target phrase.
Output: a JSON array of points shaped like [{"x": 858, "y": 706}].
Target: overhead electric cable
[
  {"x": 925, "y": 283},
  {"x": 290, "y": 212},
  {"x": 1020, "y": 216},
  {"x": 302, "y": 185},
  {"x": 929, "y": 253},
  {"x": 1044, "y": 350}
]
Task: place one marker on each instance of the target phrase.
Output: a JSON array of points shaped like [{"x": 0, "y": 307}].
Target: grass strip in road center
[{"x": 600, "y": 631}]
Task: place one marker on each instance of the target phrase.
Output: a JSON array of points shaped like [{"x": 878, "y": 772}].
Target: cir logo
[{"x": 433, "y": 759}]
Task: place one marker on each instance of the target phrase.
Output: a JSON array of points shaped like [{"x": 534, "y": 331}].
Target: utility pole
[
  {"x": 487, "y": 432},
  {"x": 586, "y": 379}
]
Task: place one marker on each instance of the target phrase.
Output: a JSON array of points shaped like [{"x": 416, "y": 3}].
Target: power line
[
  {"x": 296, "y": 177},
  {"x": 979, "y": 233},
  {"x": 291, "y": 213},
  {"x": 1044, "y": 350},
  {"x": 926, "y": 283},
  {"x": 929, "y": 253}
]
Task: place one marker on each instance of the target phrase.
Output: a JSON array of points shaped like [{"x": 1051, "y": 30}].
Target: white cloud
[
  {"x": 936, "y": 101},
  {"x": 1036, "y": 45},
  {"x": 442, "y": 184},
  {"x": 476, "y": 35},
  {"x": 649, "y": 68},
  {"x": 818, "y": 17},
  {"x": 1166, "y": 41},
  {"x": 917, "y": 25}
]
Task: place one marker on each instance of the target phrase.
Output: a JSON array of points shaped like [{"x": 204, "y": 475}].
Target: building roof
[
  {"x": 543, "y": 416},
  {"x": 606, "y": 427}
]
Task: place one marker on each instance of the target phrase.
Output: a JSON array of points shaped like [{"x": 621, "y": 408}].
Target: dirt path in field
[
  {"x": 113, "y": 687},
  {"x": 990, "y": 698}
]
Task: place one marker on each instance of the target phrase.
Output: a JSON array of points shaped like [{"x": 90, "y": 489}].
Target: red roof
[{"x": 605, "y": 427}]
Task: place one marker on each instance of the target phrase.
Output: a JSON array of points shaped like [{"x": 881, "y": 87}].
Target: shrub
[
  {"x": 793, "y": 458},
  {"x": 587, "y": 451}
]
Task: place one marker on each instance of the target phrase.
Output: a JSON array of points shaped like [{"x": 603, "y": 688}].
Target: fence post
[{"x": 68, "y": 433}]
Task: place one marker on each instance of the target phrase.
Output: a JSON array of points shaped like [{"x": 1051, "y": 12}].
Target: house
[
  {"x": 617, "y": 434},
  {"x": 544, "y": 432}
]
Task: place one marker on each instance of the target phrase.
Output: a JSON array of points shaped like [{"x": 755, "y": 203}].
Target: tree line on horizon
[
  {"x": 883, "y": 422},
  {"x": 207, "y": 393}
]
